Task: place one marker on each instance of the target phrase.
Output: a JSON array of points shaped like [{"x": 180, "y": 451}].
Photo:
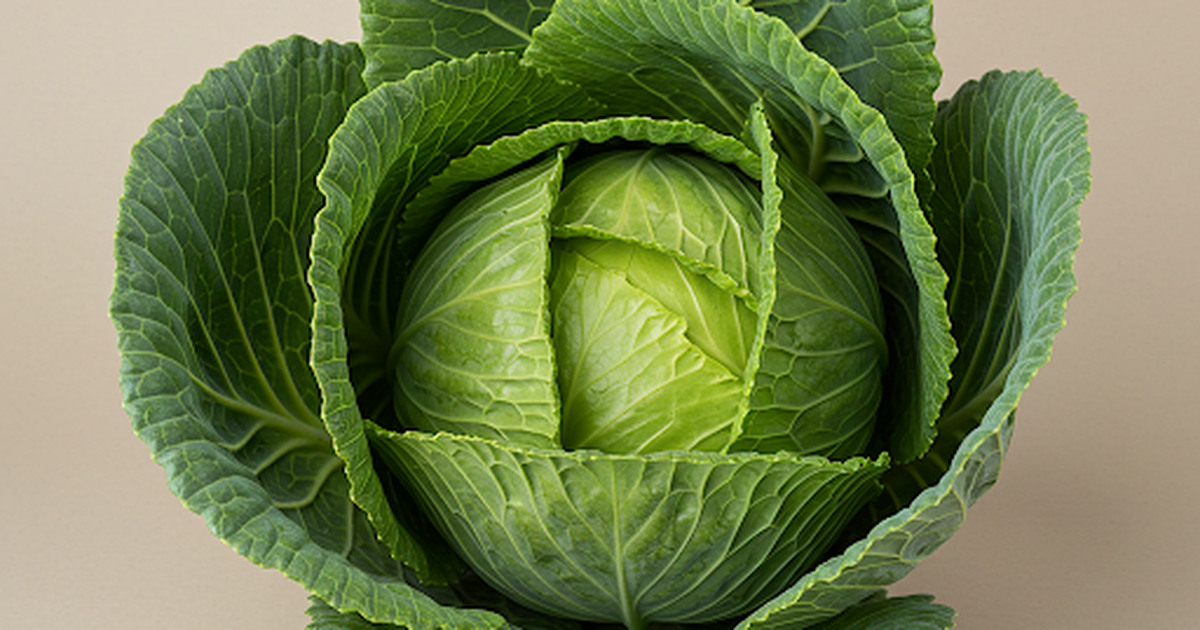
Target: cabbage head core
[{"x": 659, "y": 281}]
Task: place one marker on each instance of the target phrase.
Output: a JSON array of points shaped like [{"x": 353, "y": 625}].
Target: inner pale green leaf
[
  {"x": 672, "y": 200},
  {"x": 630, "y": 380},
  {"x": 472, "y": 354},
  {"x": 718, "y": 322}
]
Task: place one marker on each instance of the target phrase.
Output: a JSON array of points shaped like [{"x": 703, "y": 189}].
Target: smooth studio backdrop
[{"x": 1093, "y": 522}]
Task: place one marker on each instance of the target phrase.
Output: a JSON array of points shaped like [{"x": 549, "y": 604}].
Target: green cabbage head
[{"x": 596, "y": 313}]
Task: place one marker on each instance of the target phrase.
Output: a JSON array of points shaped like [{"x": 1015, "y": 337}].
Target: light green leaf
[
  {"x": 400, "y": 36},
  {"x": 212, "y": 315},
  {"x": 325, "y": 617},
  {"x": 677, "y": 203},
  {"x": 472, "y": 353},
  {"x": 817, "y": 386},
  {"x": 630, "y": 379},
  {"x": 718, "y": 322},
  {"x": 712, "y": 61},
  {"x": 1013, "y": 158},
  {"x": 1012, "y": 165},
  {"x": 672, "y": 536}
]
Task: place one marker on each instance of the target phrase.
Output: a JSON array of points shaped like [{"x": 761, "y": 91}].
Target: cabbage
[{"x": 657, "y": 314}]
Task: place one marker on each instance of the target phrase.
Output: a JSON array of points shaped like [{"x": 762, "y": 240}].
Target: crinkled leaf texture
[
  {"x": 213, "y": 317},
  {"x": 1012, "y": 159},
  {"x": 884, "y": 50}
]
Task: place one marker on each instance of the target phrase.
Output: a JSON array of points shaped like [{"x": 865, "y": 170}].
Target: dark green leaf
[
  {"x": 1011, "y": 168},
  {"x": 1013, "y": 159},
  {"x": 212, "y": 313},
  {"x": 400, "y": 36},
  {"x": 884, "y": 50}
]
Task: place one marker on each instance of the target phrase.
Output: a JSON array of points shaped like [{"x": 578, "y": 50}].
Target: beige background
[{"x": 1091, "y": 526}]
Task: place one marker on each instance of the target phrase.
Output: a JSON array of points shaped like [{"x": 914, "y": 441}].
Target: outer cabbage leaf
[
  {"x": 213, "y": 318},
  {"x": 400, "y": 36},
  {"x": 1012, "y": 168},
  {"x": 988, "y": 262},
  {"x": 483, "y": 271},
  {"x": 884, "y": 50}
]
